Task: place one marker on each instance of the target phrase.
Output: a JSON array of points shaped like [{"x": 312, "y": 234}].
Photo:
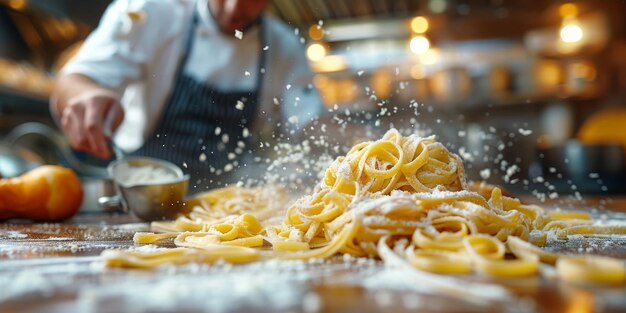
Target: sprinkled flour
[{"x": 141, "y": 175}]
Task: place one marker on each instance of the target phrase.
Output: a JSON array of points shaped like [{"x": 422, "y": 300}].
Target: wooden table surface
[{"x": 55, "y": 268}]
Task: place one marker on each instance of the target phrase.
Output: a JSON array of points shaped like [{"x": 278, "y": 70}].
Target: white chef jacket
[{"x": 139, "y": 59}]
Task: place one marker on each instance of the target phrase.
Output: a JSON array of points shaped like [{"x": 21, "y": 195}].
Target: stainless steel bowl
[
  {"x": 150, "y": 202},
  {"x": 592, "y": 168}
]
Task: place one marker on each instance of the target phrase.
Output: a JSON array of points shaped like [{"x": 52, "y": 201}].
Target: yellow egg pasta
[{"x": 403, "y": 194}]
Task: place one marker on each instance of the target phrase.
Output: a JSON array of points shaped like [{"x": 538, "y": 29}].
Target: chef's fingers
[
  {"x": 113, "y": 118},
  {"x": 94, "y": 117},
  {"x": 72, "y": 123}
]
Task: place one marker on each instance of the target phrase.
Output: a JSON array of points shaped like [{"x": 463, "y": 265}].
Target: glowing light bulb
[
  {"x": 419, "y": 24},
  {"x": 316, "y": 32},
  {"x": 315, "y": 52},
  {"x": 571, "y": 33},
  {"x": 419, "y": 44}
]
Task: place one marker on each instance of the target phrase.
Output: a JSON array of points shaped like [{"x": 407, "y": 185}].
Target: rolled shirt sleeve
[{"x": 137, "y": 60}]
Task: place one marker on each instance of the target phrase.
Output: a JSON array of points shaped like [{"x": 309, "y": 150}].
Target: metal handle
[
  {"x": 107, "y": 129},
  {"x": 111, "y": 203},
  {"x": 107, "y": 124}
]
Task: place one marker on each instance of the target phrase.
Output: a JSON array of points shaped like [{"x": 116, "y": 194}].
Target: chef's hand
[{"x": 83, "y": 120}]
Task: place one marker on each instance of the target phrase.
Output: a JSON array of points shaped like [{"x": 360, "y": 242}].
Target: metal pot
[
  {"x": 597, "y": 168},
  {"x": 15, "y": 161},
  {"x": 23, "y": 131}
]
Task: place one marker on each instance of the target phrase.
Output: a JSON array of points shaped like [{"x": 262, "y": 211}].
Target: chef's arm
[
  {"x": 81, "y": 107},
  {"x": 68, "y": 86},
  {"x": 89, "y": 87}
]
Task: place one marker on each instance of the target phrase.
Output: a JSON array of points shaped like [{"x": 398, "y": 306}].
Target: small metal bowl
[{"x": 149, "y": 201}]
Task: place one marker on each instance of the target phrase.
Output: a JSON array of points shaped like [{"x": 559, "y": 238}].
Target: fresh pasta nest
[
  {"x": 395, "y": 198},
  {"x": 411, "y": 164}
]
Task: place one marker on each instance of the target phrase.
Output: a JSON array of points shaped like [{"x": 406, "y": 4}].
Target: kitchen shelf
[
  {"x": 16, "y": 101},
  {"x": 507, "y": 101},
  {"x": 88, "y": 12}
]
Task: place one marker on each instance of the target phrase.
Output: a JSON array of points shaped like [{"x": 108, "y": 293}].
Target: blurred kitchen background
[{"x": 532, "y": 94}]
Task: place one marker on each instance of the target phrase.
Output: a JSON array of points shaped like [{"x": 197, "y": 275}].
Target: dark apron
[{"x": 201, "y": 129}]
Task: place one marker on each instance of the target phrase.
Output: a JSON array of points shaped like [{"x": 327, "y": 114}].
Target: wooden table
[{"x": 55, "y": 268}]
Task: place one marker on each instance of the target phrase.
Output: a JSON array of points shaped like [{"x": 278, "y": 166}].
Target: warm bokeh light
[
  {"x": 335, "y": 90},
  {"x": 583, "y": 70},
  {"x": 419, "y": 44},
  {"x": 321, "y": 81},
  {"x": 17, "y": 5},
  {"x": 568, "y": 10},
  {"x": 418, "y": 71},
  {"x": 315, "y": 52},
  {"x": 571, "y": 33},
  {"x": 548, "y": 74},
  {"x": 381, "y": 83},
  {"x": 316, "y": 32},
  {"x": 419, "y": 24},
  {"x": 330, "y": 63}
]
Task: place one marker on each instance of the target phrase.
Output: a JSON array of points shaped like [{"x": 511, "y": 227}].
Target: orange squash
[{"x": 47, "y": 193}]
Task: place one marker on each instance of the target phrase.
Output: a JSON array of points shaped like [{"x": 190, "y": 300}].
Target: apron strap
[{"x": 188, "y": 45}]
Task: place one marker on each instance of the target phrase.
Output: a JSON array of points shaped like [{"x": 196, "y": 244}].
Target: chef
[{"x": 192, "y": 82}]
